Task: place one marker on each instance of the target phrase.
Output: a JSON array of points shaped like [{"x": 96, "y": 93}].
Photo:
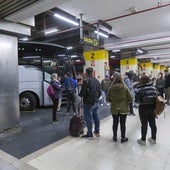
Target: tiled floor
[
  {"x": 103, "y": 154},
  {"x": 100, "y": 153}
]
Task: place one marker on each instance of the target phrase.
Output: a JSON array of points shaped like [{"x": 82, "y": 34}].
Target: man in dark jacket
[
  {"x": 91, "y": 92},
  {"x": 146, "y": 97}
]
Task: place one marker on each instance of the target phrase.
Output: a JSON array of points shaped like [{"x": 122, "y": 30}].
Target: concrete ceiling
[{"x": 135, "y": 23}]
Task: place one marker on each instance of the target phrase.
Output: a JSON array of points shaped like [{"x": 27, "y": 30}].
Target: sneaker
[
  {"x": 124, "y": 140},
  {"x": 114, "y": 139},
  {"x": 55, "y": 122},
  {"x": 97, "y": 134},
  {"x": 108, "y": 104},
  {"x": 67, "y": 113},
  {"x": 87, "y": 136},
  {"x": 101, "y": 105},
  {"x": 141, "y": 142},
  {"x": 152, "y": 141}
]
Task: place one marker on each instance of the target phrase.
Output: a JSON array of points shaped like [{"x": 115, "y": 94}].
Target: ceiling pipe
[
  {"x": 160, "y": 61},
  {"x": 137, "y": 43},
  {"x": 115, "y": 18},
  {"x": 163, "y": 56}
]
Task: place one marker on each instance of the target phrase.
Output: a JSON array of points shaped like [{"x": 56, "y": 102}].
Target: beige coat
[{"x": 119, "y": 96}]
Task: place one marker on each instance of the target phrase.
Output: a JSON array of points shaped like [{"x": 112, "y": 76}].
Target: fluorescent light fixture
[
  {"x": 66, "y": 19},
  {"x": 69, "y": 48},
  {"x": 74, "y": 56},
  {"x": 24, "y": 39},
  {"x": 113, "y": 56},
  {"x": 61, "y": 55},
  {"x": 115, "y": 51},
  {"x": 103, "y": 35},
  {"x": 51, "y": 30},
  {"x": 139, "y": 51}
]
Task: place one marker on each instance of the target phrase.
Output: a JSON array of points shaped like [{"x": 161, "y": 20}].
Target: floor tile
[{"x": 102, "y": 153}]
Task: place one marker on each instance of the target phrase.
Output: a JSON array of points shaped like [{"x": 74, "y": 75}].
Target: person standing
[
  {"x": 167, "y": 86},
  {"x": 60, "y": 99},
  {"x": 146, "y": 97},
  {"x": 105, "y": 84},
  {"x": 160, "y": 84},
  {"x": 58, "y": 94},
  {"x": 70, "y": 85},
  {"x": 119, "y": 96},
  {"x": 90, "y": 92},
  {"x": 129, "y": 83}
]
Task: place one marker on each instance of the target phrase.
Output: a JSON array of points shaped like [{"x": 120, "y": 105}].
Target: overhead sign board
[{"x": 90, "y": 41}]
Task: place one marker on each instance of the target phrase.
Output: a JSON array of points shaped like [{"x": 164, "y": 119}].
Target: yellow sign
[
  {"x": 162, "y": 68},
  {"x": 128, "y": 61},
  {"x": 90, "y": 41},
  {"x": 96, "y": 55},
  {"x": 146, "y": 65},
  {"x": 157, "y": 66}
]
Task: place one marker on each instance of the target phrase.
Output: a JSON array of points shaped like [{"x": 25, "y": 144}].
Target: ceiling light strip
[
  {"x": 101, "y": 34},
  {"x": 66, "y": 19}
]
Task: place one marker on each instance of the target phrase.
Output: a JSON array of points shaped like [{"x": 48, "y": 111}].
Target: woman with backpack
[{"x": 55, "y": 83}]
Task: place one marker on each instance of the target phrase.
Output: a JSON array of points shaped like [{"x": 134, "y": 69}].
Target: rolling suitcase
[{"x": 76, "y": 126}]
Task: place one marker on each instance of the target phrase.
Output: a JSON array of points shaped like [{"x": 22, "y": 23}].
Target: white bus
[{"x": 37, "y": 61}]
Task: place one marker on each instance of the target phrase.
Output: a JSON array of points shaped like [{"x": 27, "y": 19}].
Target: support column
[
  {"x": 156, "y": 70},
  {"x": 128, "y": 64},
  {"x": 9, "y": 98},
  {"x": 98, "y": 60},
  {"x": 9, "y": 91},
  {"x": 147, "y": 68},
  {"x": 162, "y": 68}
]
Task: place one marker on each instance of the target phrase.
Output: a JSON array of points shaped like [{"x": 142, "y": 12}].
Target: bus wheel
[{"x": 27, "y": 102}]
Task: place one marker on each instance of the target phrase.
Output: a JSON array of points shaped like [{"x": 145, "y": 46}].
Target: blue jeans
[
  {"x": 91, "y": 116},
  {"x": 104, "y": 93}
]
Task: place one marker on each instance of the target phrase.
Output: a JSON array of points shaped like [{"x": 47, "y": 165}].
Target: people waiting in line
[
  {"x": 71, "y": 89},
  {"x": 160, "y": 84},
  {"x": 105, "y": 84},
  {"x": 146, "y": 97},
  {"x": 58, "y": 94},
  {"x": 129, "y": 83},
  {"x": 119, "y": 96},
  {"x": 90, "y": 92}
]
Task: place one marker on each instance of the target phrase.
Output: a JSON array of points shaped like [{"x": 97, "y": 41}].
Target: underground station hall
[{"x": 84, "y": 85}]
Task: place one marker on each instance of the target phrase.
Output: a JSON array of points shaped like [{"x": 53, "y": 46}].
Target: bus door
[
  {"x": 46, "y": 82},
  {"x": 49, "y": 67}
]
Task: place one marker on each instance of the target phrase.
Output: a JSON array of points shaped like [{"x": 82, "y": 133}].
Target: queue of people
[{"x": 121, "y": 94}]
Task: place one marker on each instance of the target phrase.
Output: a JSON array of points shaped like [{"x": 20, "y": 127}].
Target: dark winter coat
[
  {"x": 90, "y": 91},
  {"x": 146, "y": 97}
]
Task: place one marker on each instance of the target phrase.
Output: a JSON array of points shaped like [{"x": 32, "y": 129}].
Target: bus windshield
[{"x": 50, "y": 59}]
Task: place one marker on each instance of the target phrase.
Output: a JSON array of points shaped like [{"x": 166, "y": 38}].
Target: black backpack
[{"x": 90, "y": 91}]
